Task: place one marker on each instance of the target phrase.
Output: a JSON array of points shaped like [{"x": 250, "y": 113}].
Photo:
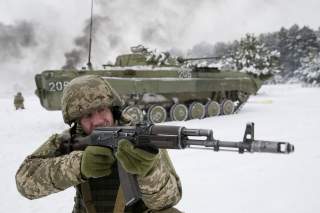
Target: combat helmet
[{"x": 86, "y": 94}]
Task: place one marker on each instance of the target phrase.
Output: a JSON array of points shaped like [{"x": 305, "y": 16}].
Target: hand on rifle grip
[
  {"x": 135, "y": 160},
  {"x": 96, "y": 162}
]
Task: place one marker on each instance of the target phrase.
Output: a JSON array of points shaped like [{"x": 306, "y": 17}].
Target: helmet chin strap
[
  {"x": 116, "y": 112},
  {"x": 76, "y": 129}
]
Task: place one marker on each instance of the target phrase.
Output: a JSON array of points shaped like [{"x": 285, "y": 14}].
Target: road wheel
[
  {"x": 178, "y": 112},
  {"x": 157, "y": 114},
  {"x": 135, "y": 113},
  {"x": 212, "y": 108},
  {"x": 227, "y": 107},
  {"x": 196, "y": 110}
]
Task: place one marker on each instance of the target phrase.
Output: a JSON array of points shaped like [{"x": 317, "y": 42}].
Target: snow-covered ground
[{"x": 224, "y": 182}]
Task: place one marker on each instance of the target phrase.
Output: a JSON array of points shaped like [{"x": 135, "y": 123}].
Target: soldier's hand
[
  {"x": 96, "y": 162},
  {"x": 134, "y": 160}
]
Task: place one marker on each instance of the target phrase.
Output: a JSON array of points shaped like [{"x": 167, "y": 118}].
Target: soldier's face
[{"x": 98, "y": 118}]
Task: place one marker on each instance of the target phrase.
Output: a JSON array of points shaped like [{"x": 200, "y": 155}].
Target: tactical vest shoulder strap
[
  {"x": 120, "y": 203},
  {"x": 87, "y": 198}
]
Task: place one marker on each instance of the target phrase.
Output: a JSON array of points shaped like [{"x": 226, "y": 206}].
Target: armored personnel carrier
[{"x": 159, "y": 88}]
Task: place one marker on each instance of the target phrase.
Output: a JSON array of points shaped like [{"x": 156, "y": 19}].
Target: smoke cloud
[
  {"x": 55, "y": 34},
  {"x": 154, "y": 24},
  {"x": 14, "y": 39},
  {"x": 77, "y": 56},
  {"x": 26, "y": 48},
  {"x": 182, "y": 24}
]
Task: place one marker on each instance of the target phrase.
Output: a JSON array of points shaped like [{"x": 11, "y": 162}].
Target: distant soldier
[{"x": 18, "y": 101}]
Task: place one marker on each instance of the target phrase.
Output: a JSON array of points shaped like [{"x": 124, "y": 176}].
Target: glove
[
  {"x": 96, "y": 162},
  {"x": 135, "y": 160}
]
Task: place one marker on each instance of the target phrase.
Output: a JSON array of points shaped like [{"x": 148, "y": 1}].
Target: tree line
[{"x": 290, "y": 54}]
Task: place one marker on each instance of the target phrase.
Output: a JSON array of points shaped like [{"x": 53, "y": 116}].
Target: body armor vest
[{"x": 98, "y": 195}]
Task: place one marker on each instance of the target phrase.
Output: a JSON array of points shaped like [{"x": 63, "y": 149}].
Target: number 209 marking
[{"x": 57, "y": 86}]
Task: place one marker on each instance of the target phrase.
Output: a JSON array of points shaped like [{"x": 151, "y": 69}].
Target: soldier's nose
[{"x": 97, "y": 120}]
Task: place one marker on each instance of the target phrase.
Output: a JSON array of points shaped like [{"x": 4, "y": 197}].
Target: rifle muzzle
[{"x": 272, "y": 147}]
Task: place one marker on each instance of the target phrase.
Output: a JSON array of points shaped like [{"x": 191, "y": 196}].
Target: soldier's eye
[
  {"x": 87, "y": 115},
  {"x": 100, "y": 110}
]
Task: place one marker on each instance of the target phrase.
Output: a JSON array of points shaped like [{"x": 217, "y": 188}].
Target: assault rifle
[{"x": 171, "y": 137}]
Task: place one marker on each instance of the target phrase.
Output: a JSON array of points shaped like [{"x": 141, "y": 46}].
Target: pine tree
[
  {"x": 296, "y": 44},
  {"x": 308, "y": 44},
  {"x": 309, "y": 72},
  {"x": 251, "y": 56}
]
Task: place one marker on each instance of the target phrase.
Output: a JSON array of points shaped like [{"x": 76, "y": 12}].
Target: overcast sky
[{"x": 158, "y": 24}]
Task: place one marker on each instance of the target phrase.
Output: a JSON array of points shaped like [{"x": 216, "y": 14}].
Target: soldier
[
  {"x": 18, "y": 101},
  {"x": 89, "y": 102}
]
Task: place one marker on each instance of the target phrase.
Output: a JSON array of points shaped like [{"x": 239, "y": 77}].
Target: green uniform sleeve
[
  {"x": 161, "y": 187},
  {"x": 45, "y": 172}
]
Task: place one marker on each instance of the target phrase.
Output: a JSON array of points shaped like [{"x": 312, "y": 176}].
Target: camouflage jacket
[
  {"x": 18, "y": 99},
  {"x": 46, "y": 171}
]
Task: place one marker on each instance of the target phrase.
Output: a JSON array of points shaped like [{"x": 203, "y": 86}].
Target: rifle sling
[
  {"x": 87, "y": 197},
  {"x": 119, "y": 204}
]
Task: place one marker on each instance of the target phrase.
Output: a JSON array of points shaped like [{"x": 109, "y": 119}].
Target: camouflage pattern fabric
[
  {"x": 86, "y": 94},
  {"x": 46, "y": 171},
  {"x": 161, "y": 187},
  {"x": 18, "y": 101}
]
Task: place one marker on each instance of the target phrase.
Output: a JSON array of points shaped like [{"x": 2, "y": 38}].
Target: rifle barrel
[{"x": 255, "y": 146}]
